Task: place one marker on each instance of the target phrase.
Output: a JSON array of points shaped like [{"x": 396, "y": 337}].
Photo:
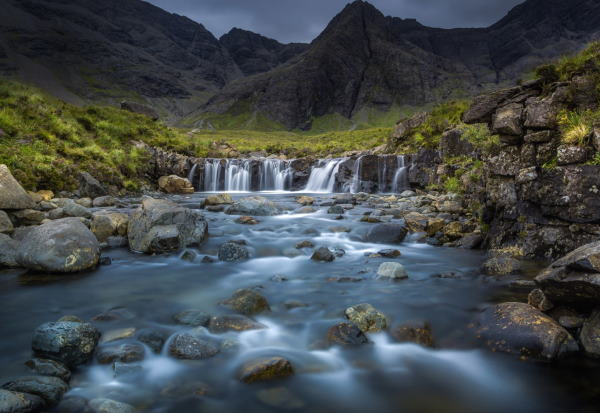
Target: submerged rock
[
  {"x": 65, "y": 245},
  {"x": 414, "y": 332},
  {"x": 225, "y": 323},
  {"x": 392, "y": 270},
  {"x": 246, "y": 220},
  {"x": 232, "y": 252},
  {"x": 253, "y": 206},
  {"x": 50, "y": 389},
  {"x": 266, "y": 369},
  {"x": 17, "y": 402},
  {"x": 70, "y": 343},
  {"x": 247, "y": 302},
  {"x": 125, "y": 353},
  {"x": 386, "y": 233},
  {"x": 109, "y": 406},
  {"x": 346, "y": 334},
  {"x": 323, "y": 254},
  {"x": 163, "y": 226},
  {"x": 367, "y": 318},
  {"x": 192, "y": 345},
  {"x": 153, "y": 338},
  {"x": 521, "y": 329},
  {"x": 194, "y": 318},
  {"x": 12, "y": 194},
  {"x": 280, "y": 398}
]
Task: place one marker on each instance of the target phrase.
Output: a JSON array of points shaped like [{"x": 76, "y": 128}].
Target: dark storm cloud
[{"x": 303, "y": 20}]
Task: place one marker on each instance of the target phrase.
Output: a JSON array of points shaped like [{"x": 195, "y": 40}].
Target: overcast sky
[{"x": 303, "y": 20}]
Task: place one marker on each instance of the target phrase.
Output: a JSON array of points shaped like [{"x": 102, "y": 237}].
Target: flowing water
[{"x": 383, "y": 376}]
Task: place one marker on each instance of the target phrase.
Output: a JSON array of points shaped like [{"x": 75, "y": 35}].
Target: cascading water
[
  {"x": 276, "y": 175},
  {"x": 237, "y": 175},
  {"x": 322, "y": 177},
  {"x": 400, "y": 182}
]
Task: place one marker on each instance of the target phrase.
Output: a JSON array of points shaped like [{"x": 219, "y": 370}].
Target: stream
[{"x": 306, "y": 298}]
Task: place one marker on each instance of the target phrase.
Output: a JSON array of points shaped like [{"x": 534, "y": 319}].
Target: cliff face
[
  {"x": 254, "y": 53},
  {"x": 366, "y": 60},
  {"x": 94, "y": 51}
]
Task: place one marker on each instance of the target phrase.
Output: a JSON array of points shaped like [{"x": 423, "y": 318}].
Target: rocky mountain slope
[
  {"x": 254, "y": 53},
  {"x": 366, "y": 60}
]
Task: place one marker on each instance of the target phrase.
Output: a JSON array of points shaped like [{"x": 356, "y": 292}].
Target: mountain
[
  {"x": 254, "y": 53},
  {"x": 364, "y": 60},
  {"x": 105, "y": 51}
]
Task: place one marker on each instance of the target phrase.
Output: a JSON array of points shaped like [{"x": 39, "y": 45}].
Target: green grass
[{"x": 46, "y": 142}]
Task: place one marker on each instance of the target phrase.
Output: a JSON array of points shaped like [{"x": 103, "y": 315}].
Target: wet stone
[
  {"x": 392, "y": 271},
  {"x": 47, "y": 367},
  {"x": 323, "y": 254},
  {"x": 265, "y": 369},
  {"x": 109, "y": 406},
  {"x": 225, "y": 323},
  {"x": 194, "y": 318},
  {"x": 50, "y": 389},
  {"x": 367, "y": 318},
  {"x": 280, "y": 398},
  {"x": 153, "y": 338},
  {"x": 71, "y": 343},
  {"x": 232, "y": 252},
  {"x": 16, "y": 402},
  {"x": 346, "y": 334},
  {"x": 119, "y": 334},
  {"x": 305, "y": 244},
  {"x": 247, "y": 302},
  {"x": 192, "y": 345},
  {"x": 414, "y": 332},
  {"x": 126, "y": 353},
  {"x": 390, "y": 253}
]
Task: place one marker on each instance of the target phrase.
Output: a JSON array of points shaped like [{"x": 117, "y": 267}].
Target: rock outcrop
[
  {"x": 174, "y": 184},
  {"x": 12, "y": 194},
  {"x": 162, "y": 226}
]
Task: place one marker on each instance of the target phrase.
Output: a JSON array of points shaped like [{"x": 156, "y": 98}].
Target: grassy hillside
[{"x": 46, "y": 142}]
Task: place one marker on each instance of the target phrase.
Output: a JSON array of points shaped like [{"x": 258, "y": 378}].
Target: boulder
[
  {"x": 154, "y": 338},
  {"x": 90, "y": 187},
  {"x": 50, "y": 389},
  {"x": 520, "y": 329},
  {"x": 247, "y": 302},
  {"x": 9, "y": 250},
  {"x": 192, "y": 345},
  {"x": 70, "y": 343},
  {"x": 336, "y": 210},
  {"x": 367, "y": 318},
  {"x": 100, "y": 405},
  {"x": 163, "y": 226},
  {"x": 253, "y": 206},
  {"x": 108, "y": 224},
  {"x": 540, "y": 114},
  {"x": 484, "y": 106},
  {"x": 174, "y": 184},
  {"x": 323, "y": 254},
  {"x": 225, "y": 323},
  {"x": 16, "y": 402},
  {"x": 414, "y": 332},
  {"x": 65, "y": 245},
  {"x": 46, "y": 367},
  {"x": 538, "y": 299},
  {"x": 346, "y": 334},
  {"x": 73, "y": 209},
  {"x": 233, "y": 252},
  {"x": 386, "y": 233},
  {"x": 84, "y": 202},
  {"x": 104, "y": 201},
  {"x": 590, "y": 335},
  {"x": 219, "y": 199},
  {"x": 245, "y": 220},
  {"x": 6, "y": 225},
  {"x": 502, "y": 265},
  {"x": 574, "y": 278},
  {"x": 305, "y": 200},
  {"x": 29, "y": 216},
  {"x": 12, "y": 194},
  {"x": 265, "y": 369},
  {"x": 392, "y": 270}
]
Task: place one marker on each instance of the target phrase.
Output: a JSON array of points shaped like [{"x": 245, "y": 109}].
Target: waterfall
[
  {"x": 322, "y": 177},
  {"x": 356, "y": 181},
  {"x": 400, "y": 182},
  {"x": 276, "y": 175},
  {"x": 212, "y": 169},
  {"x": 192, "y": 173},
  {"x": 237, "y": 175}
]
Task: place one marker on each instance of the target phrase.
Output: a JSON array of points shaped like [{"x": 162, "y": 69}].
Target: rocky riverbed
[{"x": 283, "y": 302}]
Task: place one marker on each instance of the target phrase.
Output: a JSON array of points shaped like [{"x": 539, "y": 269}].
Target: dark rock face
[
  {"x": 346, "y": 334},
  {"x": 90, "y": 187},
  {"x": 140, "y": 109},
  {"x": 590, "y": 335},
  {"x": 125, "y": 46},
  {"x": 50, "y": 389},
  {"x": 16, "y": 402},
  {"x": 364, "y": 59},
  {"x": 254, "y": 53},
  {"x": 67, "y": 342},
  {"x": 520, "y": 329},
  {"x": 47, "y": 367}
]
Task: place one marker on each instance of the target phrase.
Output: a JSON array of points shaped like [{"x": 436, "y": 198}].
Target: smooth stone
[
  {"x": 219, "y": 199},
  {"x": 235, "y": 322},
  {"x": 104, "y": 201},
  {"x": 68, "y": 342},
  {"x": 280, "y": 398},
  {"x": 253, "y": 206},
  {"x": 192, "y": 345},
  {"x": 305, "y": 244},
  {"x": 50, "y": 389},
  {"x": 247, "y": 302},
  {"x": 346, "y": 334},
  {"x": 46, "y": 367},
  {"x": 12, "y": 194},
  {"x": 153, "y": 338},
  {"x": 367, "y": 318},
  {"x": 390, "y": 253},
  {"x": 265, "y": 369},
  {"x": 9, "y": 251},
  {"x": 392, "y": 270},
  {"x": 6, "y": 225},
  {"x": 323, "y": 254},
  {"x": 590, "y": 335},
  {"x": 233, "y": 252},
  {"x": 109, "y": 406},
  {"x": 336, "y": 210},
  {"x": 414, "y": 332},
  {"x": 386, "y": 233},
  {"x": 16, "y": 402},
  {"x": 194, "y": 318},
  {"x": 125, "y": 353},
  {"x": 119, "y": 334}
]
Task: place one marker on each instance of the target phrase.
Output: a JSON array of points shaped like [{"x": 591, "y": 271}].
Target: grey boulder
[{"x": 68, "y": 342}]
